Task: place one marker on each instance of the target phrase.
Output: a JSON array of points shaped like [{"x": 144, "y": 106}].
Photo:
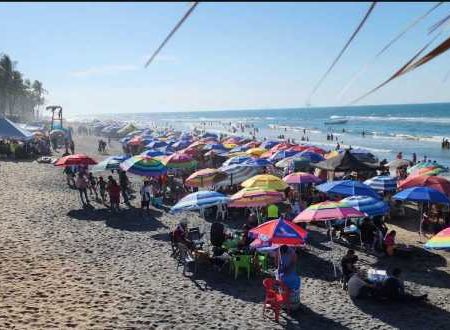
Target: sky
[{"x": 90, "y": 56}]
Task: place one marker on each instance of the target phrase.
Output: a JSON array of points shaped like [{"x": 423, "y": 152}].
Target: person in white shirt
[
  {"x": 358, "y": 288},
  {"x": 145, "y": 195}
]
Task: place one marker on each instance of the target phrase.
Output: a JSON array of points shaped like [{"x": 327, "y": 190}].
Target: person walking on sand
[
  {"x": 92, "y": 185},
  {"x": 145, "y": 195},
  {"x": 124, "y": 182},
  {"x": 114, "y": 195},
  {"x": 101, "y": 184},
  {"x": 81, "y": 184}
]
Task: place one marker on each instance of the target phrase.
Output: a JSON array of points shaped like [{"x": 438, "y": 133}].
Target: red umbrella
[
  {"x": 298, "y": 148},
  {"x": 278, "y": 232},
  {"x": 135, "y": 141},
  {"x": 317, "y": 150},
  {"x": 282, "y": 146},
  {"x": 77, "y": 159},
  {"x": 435, "y": 182},
  {"x": 252, "y": 144}
]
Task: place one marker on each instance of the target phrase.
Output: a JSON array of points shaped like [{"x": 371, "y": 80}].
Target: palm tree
[{"x": 6, "y": 69}]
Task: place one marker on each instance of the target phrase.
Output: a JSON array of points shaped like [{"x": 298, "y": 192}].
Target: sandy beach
[{"x": 65, "y": 267}]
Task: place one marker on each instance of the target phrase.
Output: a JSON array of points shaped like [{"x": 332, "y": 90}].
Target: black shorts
[{"x": 145, "y": 204}]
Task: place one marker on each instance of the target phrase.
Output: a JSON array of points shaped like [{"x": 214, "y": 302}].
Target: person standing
[
  {"x": 81, "y": 184},
  {"x": 114, "y": 195},
  {"x": 145, "y": 195},
  {"x": 72, "y": 147},
  {"x": 124, "y": 182},
  {"x": 101, "y": 184}
]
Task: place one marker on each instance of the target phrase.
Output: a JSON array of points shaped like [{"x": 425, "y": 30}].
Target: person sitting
[
  {"x": 389, "y": 243},
  {"x": 246, "y": 239},
  {"x": 180, "y": 234},
  {"x": 217, "y": 234},
  {"x": 348, "y": 267},
  {"x": 359, "y": 288},
  {"x": 394, "y": 290},
  {"x": 287, "y": 268},
  {"x": 252, "y": 220}
]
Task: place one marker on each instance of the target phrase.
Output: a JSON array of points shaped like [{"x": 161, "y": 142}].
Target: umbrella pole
[
  {"x": 331, "y": 250},
  {"x": 420, "y": 221}
]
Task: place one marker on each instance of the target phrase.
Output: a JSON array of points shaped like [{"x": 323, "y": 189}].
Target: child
[{"x": 102, "y": 188}]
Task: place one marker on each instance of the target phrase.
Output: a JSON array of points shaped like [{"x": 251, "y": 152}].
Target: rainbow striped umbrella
[
  {"x": 144, "y": 166},
  {"x": 255, "y": 197},
  {"x": 207, "y": 177},
  {"x": 423, "y": 165},
  {"x": 179, "y": 160},
  {"x": 327, "y": 211},
  {"x": 429, "y": 171},
  {"x": 440, "y": 241}
]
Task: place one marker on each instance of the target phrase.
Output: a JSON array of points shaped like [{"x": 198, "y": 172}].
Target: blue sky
[{"x": 90, "y": 56}]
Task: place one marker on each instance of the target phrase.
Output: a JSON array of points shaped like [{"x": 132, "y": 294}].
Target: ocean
[{"x": 388, "y": 129}]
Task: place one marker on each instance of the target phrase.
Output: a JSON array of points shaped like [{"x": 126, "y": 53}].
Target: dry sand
[{"x": 64, "y": 267}]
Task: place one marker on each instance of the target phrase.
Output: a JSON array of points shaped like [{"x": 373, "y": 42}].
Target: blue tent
[{"x": 10, "y": 130}]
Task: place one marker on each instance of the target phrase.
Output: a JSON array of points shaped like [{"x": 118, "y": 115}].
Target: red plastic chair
[{"x": 277, "y": 295}]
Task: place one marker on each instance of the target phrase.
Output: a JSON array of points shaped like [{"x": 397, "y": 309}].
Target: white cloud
[{"x": 104, "y": 70}]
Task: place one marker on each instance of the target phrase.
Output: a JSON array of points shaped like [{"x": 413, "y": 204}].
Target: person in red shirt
[{"x": 114, "y": 195}]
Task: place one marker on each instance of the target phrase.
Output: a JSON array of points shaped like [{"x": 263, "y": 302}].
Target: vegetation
[{"x": 19, "y": 98}]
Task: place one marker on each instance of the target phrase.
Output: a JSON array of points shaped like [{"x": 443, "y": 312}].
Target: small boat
[{"x": 336, "y": 121}]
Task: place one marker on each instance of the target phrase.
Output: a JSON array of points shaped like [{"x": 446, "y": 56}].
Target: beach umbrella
[
  {"x": 156, "y": 144},
  {"x": 232, "y": 140},
  {"x": 311, "y": 156},
  {"x": 347, "y": 188},
  {"x": 281, "y": 154},
  {"x": 278, "y": 232},
  {"x": 135, "y": 141},
  {"x": 199, "y": 200},
  {"x": 236, "y": 160},
  {"x": 327, "y": 211},
  {"x": 266, "y": 181},
  {"x": 281, "y": 146},
  {"x": 229, "y": 146},
  {"x": 301, "y": 178},
  {"x": 269, "y": 144},
  {"x": 108, "y": 164},
  {"x": 214, "y": 146},
  {"x": 180, "y": 144},
  {"x": 440, "y": 241},
  {"x": 143, "y": 166},
  {"x": 237, "y": 154},
  {"x": 76, "y": 159},
  {"x": 256, "y": 151},
  {"x": 422, "y": 194},
  {"x": 436, "y": 182},
  {"x": 369, "y": 205},
  {"x": 290, "y": 161},
  {"x": 256, "y": 162},
  {"x": 152, "y": 153},
  {"x": 242, "y": 148},
  {"x": 255, "y": 197},
  {"x": 298, "y": 148},
  {"x": 396, "y": 163},
  {"x": 316, "y": 150},
  {"x": 205, "y": 178},
  {"x": 209, "y": 135},
  {"x": 179, "y": 160},
  {"x": 331, "y": 154},
  {"x": 382, "y": 183},
  {"x": 429, "y": 171},
  {"x": 422, "y": 165},
  {"x": 236, "y": 174},
  {"x": 253, "y": 144}
]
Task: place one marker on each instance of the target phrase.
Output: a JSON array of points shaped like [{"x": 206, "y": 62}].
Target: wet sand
[{"x": 65, "y": 267}]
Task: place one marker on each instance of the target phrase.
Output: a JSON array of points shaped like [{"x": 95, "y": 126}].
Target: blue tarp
[{"x": 10, "y": 130}]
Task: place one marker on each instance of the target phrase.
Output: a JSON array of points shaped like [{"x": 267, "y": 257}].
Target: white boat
[{"x": 336, "y": 121}]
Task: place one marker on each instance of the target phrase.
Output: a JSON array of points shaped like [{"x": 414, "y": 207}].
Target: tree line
[{"x": 20, "y": 98}]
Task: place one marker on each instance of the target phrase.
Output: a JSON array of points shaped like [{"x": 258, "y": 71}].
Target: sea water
[{"x": 388, "y": 129}]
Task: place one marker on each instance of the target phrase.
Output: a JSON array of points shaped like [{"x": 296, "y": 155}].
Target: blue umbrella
[
  {"x": 152, "y": 153},
  {"x": 382, "y": 183},
  {"x": 214, "y": 146},
  {"x": 313, "y": 157},
  {"x": 269, "y": 144},
  {"x": 236, "y": 160},
  {"x": 257, "y": 162},
  {"x": 422, "y": 194},
  {"x": 369, "y": 205},
  {"x": 242, "y": 148},
  {"x": 347, "y": 188},
  {"x": 282, "y": 154},
  {"x": 181, "y": 144},
  {"x": 199, "y": 200},
  {"x": 207, "y": 135},
  {"x": 156, "y": 144}
]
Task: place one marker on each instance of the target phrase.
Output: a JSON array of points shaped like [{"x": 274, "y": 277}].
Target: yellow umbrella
[
  {"x": 229, "y": 145},
  {"x": 265, "y": 181},
  {"x": 256, "y": 152},
  {"x": 255, "y": 197},
  {"x": 236, "y": 154},
  {"x": 331, "y": 154}
]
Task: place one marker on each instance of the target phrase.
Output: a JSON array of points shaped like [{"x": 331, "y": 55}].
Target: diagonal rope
[
  {"x": 411, "y": 65},
  {"x": 385, "y": 48},
  {"x": 366, "y": 16},
  {"x": 437, "y": 25},
  {"x": 180, "y": 22}
]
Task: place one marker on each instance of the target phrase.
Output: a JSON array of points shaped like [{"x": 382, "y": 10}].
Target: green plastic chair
[
  {"x": 263, "y": 262},
  {"x": 241, "y": 262}
]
